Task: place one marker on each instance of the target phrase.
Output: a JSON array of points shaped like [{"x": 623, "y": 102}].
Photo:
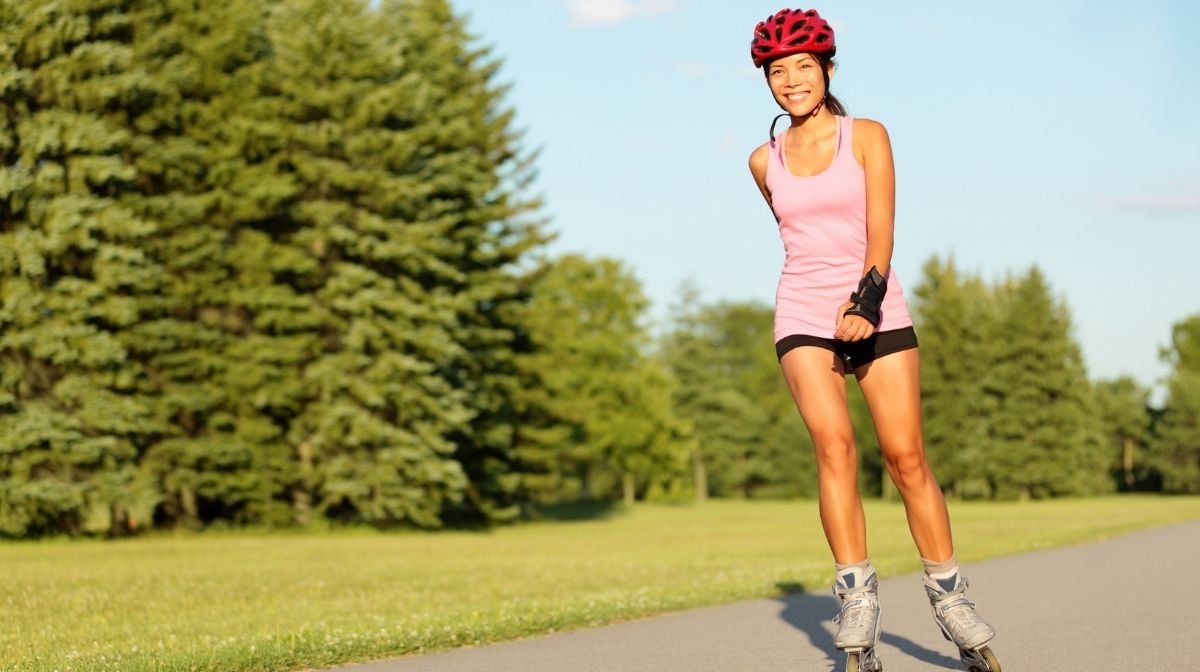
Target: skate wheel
[
  {"x": 993, "y": 664},
  {"x": 989, "y": 661},
  {"x": 856, "y": 662}
]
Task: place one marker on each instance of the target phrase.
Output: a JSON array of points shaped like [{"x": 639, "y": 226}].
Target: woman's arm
[
  {"x": 881, "y": 194},
  {"x": 758, "y": 168},
  {"x": 873, "y": 149}
]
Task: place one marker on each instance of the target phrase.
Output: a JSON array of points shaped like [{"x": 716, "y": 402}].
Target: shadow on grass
[
  {"x": 813, "y": 614},
  {"x": 576, "y": 511}
]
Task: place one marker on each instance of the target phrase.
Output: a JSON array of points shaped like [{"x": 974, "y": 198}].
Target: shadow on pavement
[
  {"x": 813, "y": 615},
  {"x": 809, "y": 614},
  {"x": 911, "y": 648}
]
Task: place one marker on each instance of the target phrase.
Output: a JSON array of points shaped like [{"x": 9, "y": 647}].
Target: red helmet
[{"x": 790, "y": 31}]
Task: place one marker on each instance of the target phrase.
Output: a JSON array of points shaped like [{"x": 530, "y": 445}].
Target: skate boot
[
  {"x": 858, "y": 622},
  {"x": 956, "y": 617}
]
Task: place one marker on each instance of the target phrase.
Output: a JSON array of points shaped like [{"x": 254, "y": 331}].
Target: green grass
[{"x": 239, "y": 601}]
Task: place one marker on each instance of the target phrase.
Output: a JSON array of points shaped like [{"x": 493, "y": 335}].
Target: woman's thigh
[
  {"x": 818, "y": 384},
  {"x": 892, "y": 388}
]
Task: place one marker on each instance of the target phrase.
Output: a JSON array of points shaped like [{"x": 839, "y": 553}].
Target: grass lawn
[{"x": 261, "y": 601}]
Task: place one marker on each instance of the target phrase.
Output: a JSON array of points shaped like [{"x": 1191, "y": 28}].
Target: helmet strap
[
  {"x": 771, "y": 133},
  {"x": 818, "y": 107},
  {"x": 810, "y": 115}
]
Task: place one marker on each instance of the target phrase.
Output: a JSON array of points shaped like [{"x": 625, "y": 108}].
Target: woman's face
[{"x": 797, "y": 83}]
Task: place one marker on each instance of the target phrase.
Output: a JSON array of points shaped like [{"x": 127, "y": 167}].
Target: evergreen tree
[
  {"x": 1122, "y": 411},
  {"x": 779, "y": 462},
  {"x": 225, "y": 391},
  {"x": 352, "y": 279},
  {"x": 747, "y": 438},
  {"x": 1042, "y": 441},
  {"x": 1176, "y": 444},
  {"x": 685, "y": 353},
  {"x": 593, "y": 402},
  {"x": 468, "y": 177},
  {"x": 74, "y": 274},
  {"x": 954, "y": 318}
]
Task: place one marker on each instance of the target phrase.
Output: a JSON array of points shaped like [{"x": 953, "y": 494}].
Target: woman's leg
[
  {"x": 818, "y": 384},
  {"x": 892, "y": 387}
]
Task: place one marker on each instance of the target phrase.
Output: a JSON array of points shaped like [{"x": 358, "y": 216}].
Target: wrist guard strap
[{"x": 869, "y": 297}]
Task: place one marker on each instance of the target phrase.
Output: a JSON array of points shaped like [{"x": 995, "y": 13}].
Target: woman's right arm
[{"x": 758, "y": 168}]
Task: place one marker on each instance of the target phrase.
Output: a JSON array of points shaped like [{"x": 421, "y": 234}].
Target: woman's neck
[{"x": 814, "y": 125}]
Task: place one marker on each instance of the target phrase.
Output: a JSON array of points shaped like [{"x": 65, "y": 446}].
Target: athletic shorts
[{"x": 854, "y": 353}]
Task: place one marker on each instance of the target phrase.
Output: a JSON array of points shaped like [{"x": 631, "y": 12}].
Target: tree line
[{"x": 275, "y": 263}]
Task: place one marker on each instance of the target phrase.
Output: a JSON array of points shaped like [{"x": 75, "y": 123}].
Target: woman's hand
[{"x": 851, "y": 327}]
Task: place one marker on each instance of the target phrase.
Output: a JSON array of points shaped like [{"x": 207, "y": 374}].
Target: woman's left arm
[
  {"x": 881, "y": 194},
  {"x": 876, "y": 157}
]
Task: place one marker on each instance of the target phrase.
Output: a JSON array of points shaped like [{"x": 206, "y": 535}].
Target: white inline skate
[
  {"x": 956, "y": 617},
  {"x": 858, "y": 622}
]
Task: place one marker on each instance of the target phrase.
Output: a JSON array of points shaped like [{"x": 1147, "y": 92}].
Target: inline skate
[
  {"x": 858, "y": 621},
  {"x": 956, "y": 617}
]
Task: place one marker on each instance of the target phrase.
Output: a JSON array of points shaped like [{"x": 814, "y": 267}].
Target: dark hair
[{"x": 826, "y": 60}]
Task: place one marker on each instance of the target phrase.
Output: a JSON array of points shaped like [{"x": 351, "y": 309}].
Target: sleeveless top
[{"x": 823, "y": 224}]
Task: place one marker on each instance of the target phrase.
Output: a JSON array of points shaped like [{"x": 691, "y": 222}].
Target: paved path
[{"x": 1129, "y": 604}]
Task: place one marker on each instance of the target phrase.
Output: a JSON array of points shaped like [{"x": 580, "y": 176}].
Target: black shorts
[{"x": 857, "y": 353}]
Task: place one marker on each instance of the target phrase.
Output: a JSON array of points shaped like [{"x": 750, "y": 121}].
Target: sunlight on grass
[{"x": 238, "y": 601}]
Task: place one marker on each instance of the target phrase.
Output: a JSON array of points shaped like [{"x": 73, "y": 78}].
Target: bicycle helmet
[{"x": 790, "y": 31}]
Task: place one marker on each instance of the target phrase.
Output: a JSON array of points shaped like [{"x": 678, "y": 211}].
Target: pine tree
[
  {"x": 358, "y": 239},
  {"x": 225, "y": 455},
  {"x": 954, "y": 318},
  {"x": 1042, "y": 441},
  {"x": 258, "y": 262},
  {"x": 594, "y": 403},
  {"x": 747, "y": 439},
  {"x": 1122, "y": 411},
  {"x": 469, "y": 177},
  {"x": 75, "y": 278},
  {"x": 1176, "y": 444},
  {"x": 778, "y": 461}
]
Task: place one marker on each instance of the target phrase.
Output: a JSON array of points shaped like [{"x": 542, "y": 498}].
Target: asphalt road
[{"x": 1124, "y": 605}]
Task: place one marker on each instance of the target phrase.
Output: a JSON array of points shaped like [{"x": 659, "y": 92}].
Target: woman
[{"x": 839, "y": 309}]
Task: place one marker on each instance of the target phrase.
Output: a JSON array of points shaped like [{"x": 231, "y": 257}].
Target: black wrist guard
[{"x": 869, "y": 297}]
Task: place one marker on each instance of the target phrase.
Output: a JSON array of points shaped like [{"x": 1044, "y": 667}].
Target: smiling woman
[{"x": 830, "y": 183}]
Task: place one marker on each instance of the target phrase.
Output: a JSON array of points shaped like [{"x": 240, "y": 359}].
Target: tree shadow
[{"x": 812, "y": 614}]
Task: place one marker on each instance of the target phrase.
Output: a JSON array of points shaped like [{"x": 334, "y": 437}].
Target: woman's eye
[{"x": 807, "y": 66}]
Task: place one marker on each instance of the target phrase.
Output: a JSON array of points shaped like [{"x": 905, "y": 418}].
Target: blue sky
[{"x": 1066, "y": 135}]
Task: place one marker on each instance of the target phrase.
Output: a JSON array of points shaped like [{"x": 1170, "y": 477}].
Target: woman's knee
[
  {"x": 836, "y": 454},
  {"x": 909, "y": 468}
]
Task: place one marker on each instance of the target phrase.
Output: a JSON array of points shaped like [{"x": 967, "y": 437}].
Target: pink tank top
[{"x": 823, "y": 224}]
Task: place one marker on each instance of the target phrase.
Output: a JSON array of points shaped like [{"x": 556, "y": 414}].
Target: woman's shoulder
[
  {"x": 869, "y": 127},
  {"x": 759, "y": 159},
  {"x": 869, "y": 137}
]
